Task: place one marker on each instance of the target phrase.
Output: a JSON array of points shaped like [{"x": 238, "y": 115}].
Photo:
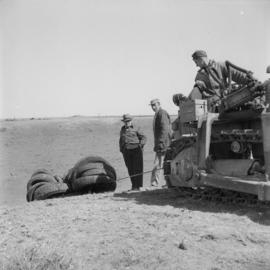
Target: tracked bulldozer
[{"x": 225, "y": 143}]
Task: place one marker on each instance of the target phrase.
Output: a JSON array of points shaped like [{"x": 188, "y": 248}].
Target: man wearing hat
[
  {"x": 212, "y": 77},
  {"x": 131, "y": 144},
  {"x": 162, "y": 138}
]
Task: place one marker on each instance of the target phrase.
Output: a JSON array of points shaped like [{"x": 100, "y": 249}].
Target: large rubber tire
[
  {"x": 88, "y": 167},
  {"x": 110, "y": 171},
  {"x": 41, "y": 177},
  {"x": 31, "y": 191},
  {"x": 84, "y": 182},
  {"x": 102, "y": 171},
  {"x": 104, "y": 184},
  {"x": 69, "y": 176},
  {"x": 48, "y": 190},
  {"x": 85, "y": 173},
  {"x": 39, "y": 171},
  {"x": 96, "y": 159},
  {"x": 79, "y": 169},
  {"x": 58, "y": 179},
  {"x": 93, "y": 172}
]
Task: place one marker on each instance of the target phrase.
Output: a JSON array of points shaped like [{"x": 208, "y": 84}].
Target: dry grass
[{"x": 38, "y": 259}]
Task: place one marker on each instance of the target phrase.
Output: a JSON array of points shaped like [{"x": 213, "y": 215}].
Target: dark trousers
[{"x": 134, "y": 161}]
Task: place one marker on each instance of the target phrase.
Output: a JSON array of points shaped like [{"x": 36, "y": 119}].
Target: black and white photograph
[{"x": 134, "y": 134}]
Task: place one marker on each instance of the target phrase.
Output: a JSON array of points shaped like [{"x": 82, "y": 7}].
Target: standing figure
[
  {"x": 131, "y": 144},
  {"x": 162, "y": 138}
]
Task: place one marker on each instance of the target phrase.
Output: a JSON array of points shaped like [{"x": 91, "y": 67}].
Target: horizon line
[{"x": 73, "y": 116}]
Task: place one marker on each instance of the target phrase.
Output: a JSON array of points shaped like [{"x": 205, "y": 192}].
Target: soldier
[
  {"x": 162, "y": 137},
  {"x": 213, "y": 77},
  {"x": 131, "y": 144}
]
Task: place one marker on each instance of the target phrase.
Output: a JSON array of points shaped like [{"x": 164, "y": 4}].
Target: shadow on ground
[{"x": 259, "y": 213}]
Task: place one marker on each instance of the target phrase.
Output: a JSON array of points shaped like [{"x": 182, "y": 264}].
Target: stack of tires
[
  {"x": 43, "y": 185},
  {"x": 91, "y": 175}
]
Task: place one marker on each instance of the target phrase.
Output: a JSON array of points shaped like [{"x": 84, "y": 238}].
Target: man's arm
[
  {"x": 238, "y": 76},
  {"x": 195, "y": 93},
  {"x": 164, "y": 130},
  {"x": 201, "y": 88},
  {"x": 141, "y": 137},
  {"x": 121, "y": 142}
]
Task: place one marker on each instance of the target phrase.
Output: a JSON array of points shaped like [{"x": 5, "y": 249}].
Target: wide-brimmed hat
[
  {"x": 154, "y": 101},
  {"x": 126, "y": 118},
  {"x": 198, "y": 54}
]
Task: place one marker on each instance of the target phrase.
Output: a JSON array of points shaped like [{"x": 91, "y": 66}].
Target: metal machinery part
[{"x": 227, "y": 150}]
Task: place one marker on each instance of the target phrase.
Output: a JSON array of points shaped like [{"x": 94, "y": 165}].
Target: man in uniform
[
  {"x": 131, "y": 144},
  {"x": 213, "y": 77},
  {"x": 162, "y": 137}
]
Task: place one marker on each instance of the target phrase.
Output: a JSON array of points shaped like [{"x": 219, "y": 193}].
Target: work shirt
[
  {"x": 131, "y": 138},
  {"x": 213, "y": 79}
]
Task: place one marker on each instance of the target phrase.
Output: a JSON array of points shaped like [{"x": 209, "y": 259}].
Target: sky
[{"x": 60, "y": 58}]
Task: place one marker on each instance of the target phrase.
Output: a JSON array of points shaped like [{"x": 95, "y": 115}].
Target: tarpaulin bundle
[
  {"x": 43, "y": 185},
  {"x": 91, "y": 174}
]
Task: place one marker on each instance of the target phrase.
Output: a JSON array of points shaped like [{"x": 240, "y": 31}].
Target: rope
[{"x": 126, "y": 177}]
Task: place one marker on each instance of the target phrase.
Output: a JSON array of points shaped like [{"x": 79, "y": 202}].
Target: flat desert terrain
[{"x": 153, "y": 229}]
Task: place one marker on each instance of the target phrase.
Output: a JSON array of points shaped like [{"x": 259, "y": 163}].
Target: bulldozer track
[{"x": 217, "y": 195}]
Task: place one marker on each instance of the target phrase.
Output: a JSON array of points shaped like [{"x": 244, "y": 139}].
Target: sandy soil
[
  {"x": 57, "y": 144},
  {"x": 156, "y": 229}
]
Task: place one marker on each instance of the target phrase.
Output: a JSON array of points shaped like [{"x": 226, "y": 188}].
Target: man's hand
[
  {"x": 200, "y": 84},
  {"x": 161, "y": 148}
]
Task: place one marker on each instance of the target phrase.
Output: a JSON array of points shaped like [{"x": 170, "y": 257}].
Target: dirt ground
[{"x": 154, "y": 229}]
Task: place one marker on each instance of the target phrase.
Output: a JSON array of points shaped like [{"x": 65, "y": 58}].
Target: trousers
[
  {"x": 157, "y": 169},
  {"x": 134, "y": 162}
]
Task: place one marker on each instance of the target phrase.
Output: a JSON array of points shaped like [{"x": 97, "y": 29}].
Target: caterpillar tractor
[{"x": 223, "y": 144}]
